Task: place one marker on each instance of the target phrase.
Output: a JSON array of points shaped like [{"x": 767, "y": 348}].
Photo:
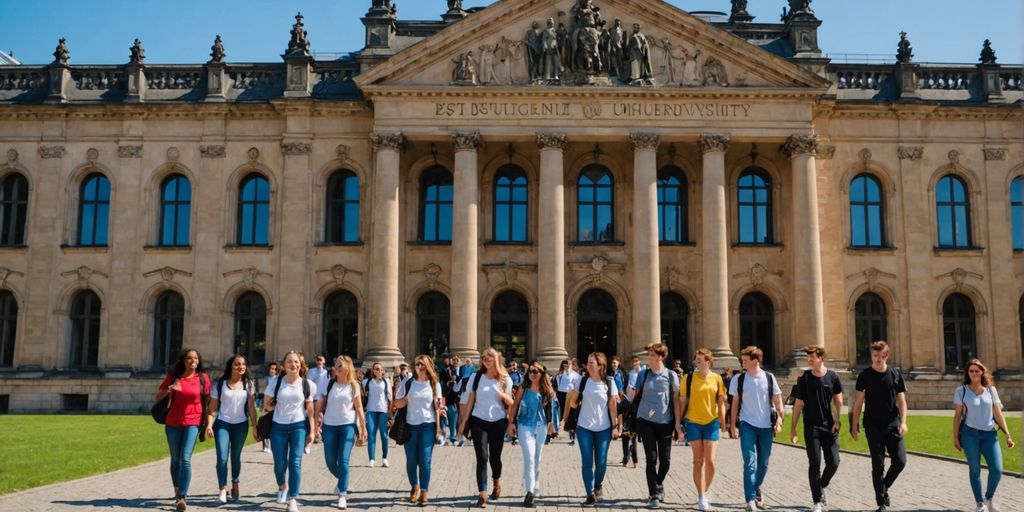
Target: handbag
[
  {"x": 204, "y": 401},
  {"x": 399, "y": 430},
  {"x": 161, "y": 407}
]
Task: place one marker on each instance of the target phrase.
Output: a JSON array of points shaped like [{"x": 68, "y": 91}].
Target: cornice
[
  {"x": 503, "y": 93},
  {"x": 191, "y": 111},
  {"x": 920, "y": 112}
]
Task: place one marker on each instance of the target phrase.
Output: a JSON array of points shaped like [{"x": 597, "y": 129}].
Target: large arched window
[
  {"x": 510, "y": 325},
  {"x": 596, "y": 203},
  {"x": 436, "y": 194},
  {"x": 433, "y": 315},
  {"x": 341, "y": 325},
  {"x": 251, "y": 327},
  {"x": 510, "y": 205},
  {"x": 757, "y": 325},
  {"x": 254, "y": 210},
  {"x": 871, "y": 323},
  {"x": 168, "y": 328},
  {"x": 959, "y": 331},
  {"x": 596, "y": 324},
  {"x": 953, "y": 212},
  {"x": 175, "y": 210},
  {"x": 673, "y": 224},
  {"x": 674, "y": 312},
  {"x": 754, "y": 204},
  {"x": 13, "y": 209},
  {"x": 867, "y": 212},
  {"x": 94, "y": 210},
  {"x": 1017, "y": 212},
  {"x": 342, "y": 217},
  {"x": 85, "y": 330},
  {"x": 8, "y": 327}
]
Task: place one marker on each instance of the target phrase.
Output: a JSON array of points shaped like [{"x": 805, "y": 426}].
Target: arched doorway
[
  {"x": 433, "y": 316},
  {"x": 959, "y": 331},
  {"x": 757, "y": 325},
  {"x": 510, "y": 326},
  {"x": 674, "y": 313},
  {"x": 596, "y": 323}
]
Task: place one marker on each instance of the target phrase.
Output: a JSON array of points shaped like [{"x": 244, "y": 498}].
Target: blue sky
[{"x": 181, "y": 31}]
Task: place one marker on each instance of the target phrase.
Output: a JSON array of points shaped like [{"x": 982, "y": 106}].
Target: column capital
[
  {"x": 467, "y": 141},
  {"x": 551, "y": 141},
  {"x": 644, "y": 141},
  {"x": 800, "y": 145},
  {"x": 387, "y": 140},
  {"x": 710, "y": 142}
]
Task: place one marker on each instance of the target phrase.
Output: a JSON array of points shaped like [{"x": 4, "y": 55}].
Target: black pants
[
  {"x": 561, "y": 396},
  {"x": 628, "y": 448},
  {"x": 819, "y": 442},
  {"x": 657, "y": 441},
  {"x": 488, "y": 440},
  {"x": 880, "y": 441}
]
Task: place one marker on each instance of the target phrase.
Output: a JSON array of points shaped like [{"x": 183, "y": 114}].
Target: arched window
[
  {"x": 510, "y": 325},
  {"x": 510, "y": 205},
  {"x": 596, "y": 202},
  {"x": 175, "y": 211},
  {"x": 596, "y": 325},
  {"x": 168, "y": 328},
  {"x": 341, "y": 325},
  {"x": 754, "y": 202},
  {"x": 13, "y": 209},
  {"x": 757, "y": 325},
  {"x": 673, "y": 224},
  {"x": 674, "y": 312},
  {"x": 342, "y": 218},
  {"x": 433, "y": 317},
  {"x": 254, "y": 211},
  {"x": 8, "y": 327},
  {"x": 1017, "y": 212},
  {"x": 871, "y": 323},
  {"x": 867, "y": 213},
  {"x": 436, "y": 194},
  {"x": 958, "y": 331},
  {"x": 251, "y": 327},
  {"x": 953, "y": 212},
  {"x": 94, "y": 210},
  {"x": 85, "y": 330}
]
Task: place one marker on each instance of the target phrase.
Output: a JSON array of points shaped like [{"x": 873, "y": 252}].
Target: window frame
[
  {"x": 767, "y": 204},
  {"x": 1017, "y": 213},
  {"x": 439, "y": 176},
  {"x": 14, "y": 210},
  {"x": 596, "y": 205},
  {"x": 336, "y": 206},
  {"x": 341, "y": 317},
  {"x": 866, "y": 204},
  {"x": 505, "y": 319},
  {"x": 252, "y": 319},
  {"x": 9, "y": 310},
  {"x": 175, "y": 204},
  {"x": 95, "y": 204},
  {"x": 954, "y": 206},
  {"x": 166, "y": 325},
  {"x": 872, "y": 320},
  {"x": 255, "y": 203},
  {"x": 86, "y": 330},
  {"x": 513, "y": 173},
  {"x": 959, "y": 324},
  {"x": 682, "y": 217}
]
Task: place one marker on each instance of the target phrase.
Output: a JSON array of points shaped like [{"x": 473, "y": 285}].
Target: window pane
[
  {"x": 430, "y": 222},
  {"x": 762, "y": 224},
  {"x": 604, "y": 194},
  {"x": 431, "y": 194},
  {"x": 446, "y": 192},
  {"x": 502, "y": 193},
  {"x": 102, "y": 221},
  {"x": 874, "y": 226},
  {"x": 586, "y": 229},
  {"x": 962, "y": 228},
  {"x": 1018, "y": 227},
  {"x": 352, "y": 188},
  {"x": 874, "y": 190},
  {"x": 167, "y": 230},
  {"x": 183, "y": 224},
  {"x": 959, "y": 192},
  {"x": 445, "y": 227},
  {"x": 857, "y": 227},
  {"x": 262, "y": 224},
  {"x": 519, "y": 193},
  {"x": 857, "y": 189},
  {"x": 351, "y": 222},
  {"x": 746, "y": 224},
  {"x": 501, "y": 222},
  {"x": 604, "y": 223},
  {"x": 586, "y": 194},
  {"x": 519, "y": 223},
  {"x": 945, "y": 225}
]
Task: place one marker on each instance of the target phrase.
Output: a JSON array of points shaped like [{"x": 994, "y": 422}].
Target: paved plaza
[{"x": 926, "y": 485}]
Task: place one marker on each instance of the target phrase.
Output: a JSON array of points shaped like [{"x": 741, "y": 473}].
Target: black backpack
[
  {"x": 771, "y": 386},
  {"x": 248, "y": 388}
]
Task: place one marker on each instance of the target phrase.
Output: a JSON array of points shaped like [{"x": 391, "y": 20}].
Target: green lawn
[{"x": 927, "y": 434}]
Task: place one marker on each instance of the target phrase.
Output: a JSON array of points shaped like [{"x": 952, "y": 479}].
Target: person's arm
[
  {"x": 837, "y": 413},
  {"x": 513, "y": 412},
  {"x": 211, "y": 415},
  {"x": 310, "y": 417},
  {"x": 360, "y": 417},
  {"x": 466, "y": 412},
  {"x": 253, "y": 417},
  {"x": 680, "y": 403},
  {"x": 319, "y": 408},
  {"x": 613, "y": 413},
  {"x": 958, "y": 413},
  {"x": 997, "y": 412},
  {"x": 505, "y": 392},
  {"x": 901, "y": 401},
  {"x": 721, "y": 412},
  {"x": 798, "y": 407},
  {"x": 734, "y": 412},
  {"x": 858, "y": 405},
  {"x": 781, "y": 410}
]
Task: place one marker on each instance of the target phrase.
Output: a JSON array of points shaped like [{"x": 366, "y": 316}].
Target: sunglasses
[
  {"x": 420, "y": 365},
  {"x": 534, "y": 371}
]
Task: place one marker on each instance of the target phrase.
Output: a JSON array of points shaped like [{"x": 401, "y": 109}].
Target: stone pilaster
[
  {"x": 465, "y": 241},
  {"x": 39, "y": 346},
  {"x": 207, "y": 319},
  {"x": 551, "y": 251},
  {"x": 293, "y": 276},
  {"x": 120, "y": 348},
  {"x": 715, "y": 251},
  {"x": 644, "y": 250},
  {"x": 922, "y": 358},
  {"x": 382, "y": 343}
]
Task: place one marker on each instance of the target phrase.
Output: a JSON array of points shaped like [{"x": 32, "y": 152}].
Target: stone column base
[
  {"x": 389, "y": 357},
  {"x": 466, "y": 352},
  {"x": 724, "y": 358},
  {"x": 551, "y": 358},
  {"x": 925, "y": 373}
]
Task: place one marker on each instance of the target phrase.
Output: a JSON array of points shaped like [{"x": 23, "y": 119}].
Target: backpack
[
  {"x": 330, "y": 384},
  {"x": 791, "y": 399},
  {"x": 248, "y": 388},
  {"x": 963, "y": 402},
  {"x": 631, "y": 417},
  {"x": 771, "y": 386}
]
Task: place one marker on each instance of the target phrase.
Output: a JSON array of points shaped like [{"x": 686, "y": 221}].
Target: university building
[{"x": 548, "y": 177}]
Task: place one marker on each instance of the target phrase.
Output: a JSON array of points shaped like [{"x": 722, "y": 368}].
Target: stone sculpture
[
  {"x": 904, "y": 52},
  {"x": 534, "y": 52},
  {"x": 551, "y": 57},
  {"x": 639, "y": 58},
  {"x": 465, "y": 70},
  {"x": 138, "y": 54},
  {"x": 61, "y": 54}
]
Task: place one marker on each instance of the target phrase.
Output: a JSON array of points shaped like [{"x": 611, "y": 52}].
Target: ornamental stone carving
[
  {"x": 801, "y": 145},
  {"x": 757, "y": 274},
  {"x": 92, "y": 155},
  {"x": 298, "y": 44},
  {"x": 51, "y": 151},
  {"x": 338, "y": 273},
  {"x": 467, "y": 141},
  {"x": 393, "y": 141},
  {"x": 173, "y": 154},
  {"x": 212, "y": 151},
  {"x": 83, "y": 274},
  {"x": 431, "y": 273},
  {"x": 551, "y": 141},
  {"x": 166, "y": 273},
  {"x": 644, "y": 141},
  {"x": 995, "y": 154},
  {"x": 12, "y": 156},
  {"x": 138, "y": 55},
  {"x": 959, "y": 277},
  {"x": 217, "y": 52},
  {"x": 342, "y": 152},
  {"x": 711, "y": 142},
  {"x": 864, "y": 155},
  {"x": 910, "y": 152},
  {"x": 253, "y": 154},
  {"x": 61, "y": 54},
  {"x": 826, "y": 152},
  {"x": 296, "y": 148},
  {"x": 129, "y": 151},
  {"x": 954, "y": 158}
]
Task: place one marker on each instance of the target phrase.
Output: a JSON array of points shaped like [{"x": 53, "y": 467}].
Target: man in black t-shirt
[
  {"x": 819, "y": 395},
  {"x": 881, "y": 393}
]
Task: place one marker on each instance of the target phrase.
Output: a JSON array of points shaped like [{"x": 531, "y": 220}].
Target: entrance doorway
[{"x": 596, "y": 324}]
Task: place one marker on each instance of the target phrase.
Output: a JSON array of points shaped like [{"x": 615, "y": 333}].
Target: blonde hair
[
  {"x": 428, "y": 366},
  {"x": 350, "y": 369},
  {"x": 499, "y": 363},
  {"x": 303, "y": 369},
  {"x": 753, "y": 353},
  {"x": 708, "y": 356}
]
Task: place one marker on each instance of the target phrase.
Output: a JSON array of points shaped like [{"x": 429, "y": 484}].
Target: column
[
  {"x": 715, "y": 250},
  {"x": 809, "y": 322},
  {"x": 41, "y": 346},
  {"x": 120, "y": 349},
  {"x": 923, "y": 359},
  {"x": 382, "y": 342},
  {"x": 551, "y": 252},
  {"x": 293, "y": 251},
  {"x": 465, "y": 240},
  {"x": 644, "y": 250}
]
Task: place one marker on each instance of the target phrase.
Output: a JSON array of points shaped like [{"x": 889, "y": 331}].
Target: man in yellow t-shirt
[{"x": 702, "y": 398}]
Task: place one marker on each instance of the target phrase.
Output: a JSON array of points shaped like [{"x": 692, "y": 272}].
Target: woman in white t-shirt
[
  {"x": 597, "y": 424},
  {"x": 339, "y": 412},
  {"x": 490, "y": 396},
  {"x": 291, "y": 399},
  {"x": 421, "y": 396},
  {"x": 377, "y": 389},
  {"x": 976, "y": 423},
  {"x": 233, "y": 405}
]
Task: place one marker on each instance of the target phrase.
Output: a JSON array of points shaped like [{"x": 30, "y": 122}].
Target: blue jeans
[
  {"x": 976, "y": 444},
  {"x": 594, "y": 455},
  {"x": 377, "y": 422},
  {"x": 181, "y": 441},
  {"x": 418, "y": 451},
  {"x": 229, "y": 438},
  {"x": 288, "y": 443},
  {"x": 338, "y": 442},
  {"x": 453, "y": 421},
  {"x": 756, "y": 445},
  {"x": 531, "y": 439}
]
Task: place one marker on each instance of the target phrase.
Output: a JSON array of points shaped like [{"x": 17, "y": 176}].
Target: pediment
[{"x": 494, "y": 48}]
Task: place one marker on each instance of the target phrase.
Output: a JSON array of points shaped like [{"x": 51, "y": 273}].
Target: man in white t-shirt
[
  {"x": 319, "y": 375},
  {"x": 566, "y": 380},
  {"x": 752, "y": 410}
]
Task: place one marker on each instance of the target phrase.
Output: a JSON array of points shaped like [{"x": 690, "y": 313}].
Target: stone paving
[{"x": 926, "y": 485}]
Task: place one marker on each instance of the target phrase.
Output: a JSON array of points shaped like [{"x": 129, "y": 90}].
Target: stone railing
[
  {"x": 860, "y": 76},
  {"x": 174, "y": 77},
  {"x": 946, "y": 77},
  {"x": 928, "y": 82},
  {"x": 1012, "y": 79},
  {"x": 23, "y": 78},
  {"x": 256, "y": 76},
  {"x": 98, "y": 78}
]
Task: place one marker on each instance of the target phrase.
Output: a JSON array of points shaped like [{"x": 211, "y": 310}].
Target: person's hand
[
  {"x": 1009, "y": 442},
  {"x": 793, "y": 438},
  {"x": 854, "y": 432},
  {"x": 309, "y": 438},
  {"x": 679, "y": 432},
  {"x": 563, "y": 424},
  {"x": 617, "y": 432},
  {"x": 175, "y": 386},
  {"x": 256, "y": 434},
  {"x": 209, "y": 432},
  {"x": 733, "y": 433},
  {"x": 837, "y": 427},
  {"x": 777, "y": 428},
  {"x": 956, "y": 443},
  {"x": 903, "y": 429},
  {"x": 511, "y": 430}
]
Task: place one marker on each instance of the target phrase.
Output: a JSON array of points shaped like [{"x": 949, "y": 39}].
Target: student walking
[
  {"x": 532, "y": 418},
  {"x": 378, "y": 403},
  {"x": 881, "y": 394},
  {"x": 293, "y": 425},
  {"x": 189, "y": 387},
  {"x": 566, "y": 380},
  {"x": 702, "y": 406},
  {"x": 490, "y": 396},
  {"x": 655, "y": 411},
  {"x": 233, "y": 405},
  {"x": 341, "y": 422},
  {"x": 819, "y": 394},
  {"x": 979, "y": 412},
  {"x": 452, "y": 384},
  {"x": 421, "y": 395},
  {"x": 597, "y": 424},
  {"x": 271, "y": 380},
  {"x": 757, "y": 409}
]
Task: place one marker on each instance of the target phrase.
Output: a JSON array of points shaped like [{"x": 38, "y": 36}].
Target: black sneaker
[
  {"x": 824, "y": 498},
  {"x": 885, "y": 499},
  {"x": 590, "y": 502},
  {"x": 758, "y": 499},
  {"x": 528, "y": 501},
  {"x": 599, "y": 492},
  {"x": 881, "y": 508},
  {"x": 660, "y": 492}
]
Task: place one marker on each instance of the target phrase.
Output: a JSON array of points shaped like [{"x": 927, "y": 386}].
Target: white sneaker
[
  {"x": 991, "y": 505},
  {"x": 752, "y": 506},
  {"x": 223, "y": 496},
  {"x": 384, "y": 463},
  {"x": 702, "y": 503},
  {"x": 816, "y": 508},
  {"x": 293, "y": 505},
  {"x": 981, "y": 507},
  {"x": 282, "y": 497},
  {"x": 266, "y": 450},
  {"x": 342, "y": 502},
  {"x": 307, "y": 450},
  {"x": 372, "y": 463}
]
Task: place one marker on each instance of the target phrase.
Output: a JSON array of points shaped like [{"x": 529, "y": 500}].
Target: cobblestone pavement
[{"x": 926, "y": 485}]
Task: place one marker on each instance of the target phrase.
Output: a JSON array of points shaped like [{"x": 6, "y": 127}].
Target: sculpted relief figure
[
  {"x": 693, "y": 70},
  {"x": 465, "y": 70},
  {"x": 551, "y": 60},
  {"x": 508, "y": 52},
  {"x": 640, "y": 72},
  {"x": 674, "y": 61},
  {"x": 617, "y": 51},
  {"x": 534, "y": 52},
  {"x": 714, "y": 73},
  {"x": 586, "y": 38},
  {"x": 563, "y": 45},
  {"x": 487, "y": 64}
]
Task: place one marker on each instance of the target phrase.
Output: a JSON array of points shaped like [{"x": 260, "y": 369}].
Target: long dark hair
[
  {"x": 986, "y": 377},
  {"x": 179, "y": 366},
  {"x": 546, "y": 390},
  {"x": 228, "y": 369}
]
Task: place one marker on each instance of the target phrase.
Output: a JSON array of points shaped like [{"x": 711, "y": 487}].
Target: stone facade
[{"x": 714, "y": 106}]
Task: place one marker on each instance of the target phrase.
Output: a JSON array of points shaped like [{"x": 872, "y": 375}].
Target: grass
[{"x": 927, "y": 434}]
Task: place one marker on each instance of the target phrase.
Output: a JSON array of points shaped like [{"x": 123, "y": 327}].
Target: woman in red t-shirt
[{"x": 188, "y": 395}]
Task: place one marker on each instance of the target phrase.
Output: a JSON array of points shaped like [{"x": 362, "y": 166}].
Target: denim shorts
[{"x": 697, "y": 432}]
